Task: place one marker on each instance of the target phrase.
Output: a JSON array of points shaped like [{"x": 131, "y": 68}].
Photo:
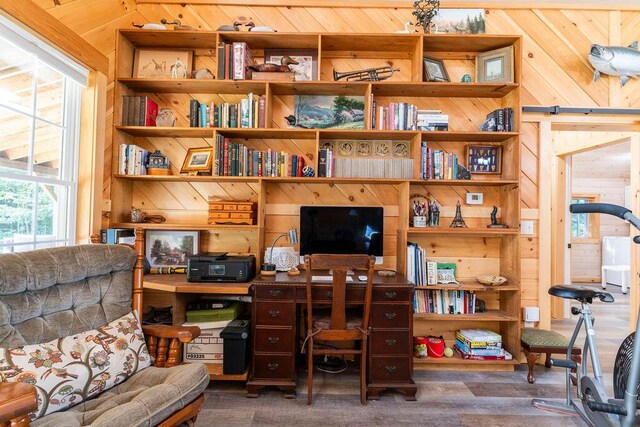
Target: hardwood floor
[{"x": 444, "y": 398}]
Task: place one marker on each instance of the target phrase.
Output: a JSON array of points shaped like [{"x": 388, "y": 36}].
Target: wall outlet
[
  {"x": 527, "y": 228},
  {"x": 475, "y": 198}
]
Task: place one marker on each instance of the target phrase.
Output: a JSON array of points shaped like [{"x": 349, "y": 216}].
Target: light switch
[
  {"x": 527, "y": 228},
  {"x": 474, "y": 198}
]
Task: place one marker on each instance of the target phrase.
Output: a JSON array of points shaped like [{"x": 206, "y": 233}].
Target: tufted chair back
[{"x": 53, "y": 293}]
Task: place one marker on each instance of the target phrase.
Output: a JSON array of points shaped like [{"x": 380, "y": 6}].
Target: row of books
[
  {"x": 417, "y": 267},
  {"x": 113, "y": 236},
  {"x": 236, "y": 159},
  {"x": 233, "y": 61},
  {"x": 325, "y": 163},
  {"x": 436, "y": 164},
  {"x": 139, "y": 111},
  {"x": 480, "y": 344},
  {"x": 396, "y": 116},
  {"x": 432, "y": 120},
  {"x": 367, "y": 167},
  {"x": 132, "y": 160},
  {"x": 248, "y": 113},
  {"x": 444, "y": 301},
  {"x": 500, "y": 120}
]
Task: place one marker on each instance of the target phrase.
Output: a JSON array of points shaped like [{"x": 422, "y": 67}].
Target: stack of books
[
  {"x": 432, "y": 120},
  {"x": 132, "y": 160},
  {"x": 139, "y": 111},
  {"x": 325, "y": 163},
  {"x": 248, "y": 113},
  {"x": 236, "y": 159},
  {"x": 112, "y": 236},
  {"x": 500, "y": 120},
  {"x": 480, "y": 344},
  {"x": 436, "y": 164},
  {"x": 234, "y": 60},
  {"x": 367, "y": 167},
  {"x": 397, "y": 116},
  {"x": 444, "y": 301},
  {"x": 420, "y": 270}
]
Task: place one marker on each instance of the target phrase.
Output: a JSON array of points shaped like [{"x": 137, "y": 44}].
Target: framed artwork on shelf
[
  {"x": 198, "y": 160},
  {"x": 307, "y": 68},
  {"x": 434, "y": 70},
  {"x": 495, "y": 66},
  {"x": 329, "y": 111},
  {"x": 485, "y": 159},
  {"x": 168, "y": 248},
  {"x": 162, "y": 64}
]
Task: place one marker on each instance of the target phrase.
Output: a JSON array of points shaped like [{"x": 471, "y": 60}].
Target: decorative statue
[
  {"x": 233, "y": 27},
  {"x": 407, "y": 29},
  {"x": 151, "y": 25},
  {"x": 275, "y": 68},
  {"x": 178, "y": 70},
  {"x": 177, "y": 25},
  {"x": 292, "y": 122},
  {"x": 494, "y": 220},
  {"x": 260, "y": 28},
  {"x": 616, "y": 61},
  {"x": 458, "y": 221},
  {"x": 425, "y": 11}
]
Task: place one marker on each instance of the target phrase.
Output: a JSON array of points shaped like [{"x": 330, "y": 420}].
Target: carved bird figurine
[
  {"x": 260, "y": 28},
  {"x": 177, "y": 25},
  {"x": 151, "y": 25},
  {"x": 275, "y": 68},
  {"x": 233, "y": 27},
  {"x": 292, "y": 121}
]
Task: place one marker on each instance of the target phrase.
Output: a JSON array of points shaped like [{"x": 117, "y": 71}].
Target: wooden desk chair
[{"x": 338, "y": 325}]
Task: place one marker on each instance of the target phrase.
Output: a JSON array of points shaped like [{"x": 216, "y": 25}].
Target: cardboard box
[{"x": 208, "y": 347}]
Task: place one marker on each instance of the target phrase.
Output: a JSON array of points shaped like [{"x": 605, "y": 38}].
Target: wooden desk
[{"x": 275, "y": 323}]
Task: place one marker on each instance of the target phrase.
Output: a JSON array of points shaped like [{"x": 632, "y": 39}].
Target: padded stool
[{"x": 537, "y": 341}]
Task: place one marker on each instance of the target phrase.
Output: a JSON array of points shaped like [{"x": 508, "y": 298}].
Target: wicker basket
[{"x": 491, "y": 280}]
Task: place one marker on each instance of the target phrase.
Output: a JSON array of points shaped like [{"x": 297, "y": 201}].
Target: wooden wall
[{"x": 555, "y": 66}]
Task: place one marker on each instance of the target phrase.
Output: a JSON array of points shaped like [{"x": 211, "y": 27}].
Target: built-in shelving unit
[{"x": 182, "y": 199}]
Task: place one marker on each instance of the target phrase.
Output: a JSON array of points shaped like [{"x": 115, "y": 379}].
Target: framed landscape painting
[
  {"x": 167, "y": 248},
  {"x": 328, "y": 111}
]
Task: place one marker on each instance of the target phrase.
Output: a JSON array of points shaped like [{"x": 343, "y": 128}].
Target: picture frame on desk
[
  {"x": 170, "y": 248},
  {"x": 484, "y": 159},
  {"x": 162, "y": 63},
  {"x": 495, "y": 66},
  {"x": 306, "y": 70}
]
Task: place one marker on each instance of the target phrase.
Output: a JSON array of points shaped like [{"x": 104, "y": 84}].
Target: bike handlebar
[{"x": 604, "y": 208}]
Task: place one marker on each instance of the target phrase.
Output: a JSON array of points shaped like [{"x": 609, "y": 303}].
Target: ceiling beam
[{"x": 577, "y": 142}]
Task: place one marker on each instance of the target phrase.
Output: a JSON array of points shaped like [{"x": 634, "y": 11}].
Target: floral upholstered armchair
[{"x": 72, "y": 350}]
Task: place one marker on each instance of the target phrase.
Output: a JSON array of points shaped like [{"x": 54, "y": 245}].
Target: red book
[
  {"x": 300, "y": 165},
  {"x": 225, "y": 167},
  {"x": 149, "y": 111},
  {"x": 260, "y": 163}
]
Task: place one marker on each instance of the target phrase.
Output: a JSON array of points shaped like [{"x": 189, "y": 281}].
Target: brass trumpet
[{"x": 367, "y": 75}]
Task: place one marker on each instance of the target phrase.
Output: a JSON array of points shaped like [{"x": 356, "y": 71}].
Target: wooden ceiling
[{"x": 611, "y": 162}]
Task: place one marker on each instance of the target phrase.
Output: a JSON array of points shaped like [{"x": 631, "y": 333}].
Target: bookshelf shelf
[
  {"x": 469, "y": 285},
  {"x": 464, "y": 182},
  {"x": 183, "y": 226},
  {"x": 194, "y": 86},
  {"x": 488, "y": 316},
  {"x": 166, "y": 132},
  {"x": 443, "y": 89},
  {"x": 465, "y": 232},
  {"x": 187, "y": 178},
  {"x": 457, "y": 360}
]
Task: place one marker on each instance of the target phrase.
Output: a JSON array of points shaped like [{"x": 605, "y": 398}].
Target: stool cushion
[{"x": 542, "y": 338}]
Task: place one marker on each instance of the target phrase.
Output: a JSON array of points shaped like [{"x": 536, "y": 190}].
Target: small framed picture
[
  {"x": 495, "y": 66},
  {"x": 198, "y": 160},
  {"x": 307, "y": 68},
  {"x": 162, "y": 64},
  {"x": 485, "y": 159},
  {"x": 434, "y": 70},
  {"x": 169, "y": 248}
]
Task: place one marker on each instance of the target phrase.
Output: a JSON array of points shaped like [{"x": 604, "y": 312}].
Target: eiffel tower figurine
[{"x": 458, "y": 221}]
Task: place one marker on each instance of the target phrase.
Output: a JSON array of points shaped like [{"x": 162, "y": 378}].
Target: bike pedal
[{"x": 564, "y": 363}]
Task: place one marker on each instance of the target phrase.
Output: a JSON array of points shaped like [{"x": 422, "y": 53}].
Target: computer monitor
[{"x": 342, "y": 230}]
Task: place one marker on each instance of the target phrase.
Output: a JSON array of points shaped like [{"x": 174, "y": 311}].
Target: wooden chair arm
[
  {"x": 183, "y": 333},
  {"x": 17, "y": 400}
]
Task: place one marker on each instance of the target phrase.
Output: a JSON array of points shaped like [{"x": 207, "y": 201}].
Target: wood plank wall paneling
[{"x": 555, "y": 67}]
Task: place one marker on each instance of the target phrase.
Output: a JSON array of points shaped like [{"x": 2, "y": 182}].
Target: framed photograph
[
  {"x": 485, "y": 159},
  {"x": 167, "y": 248},
  {"x": 495, "y": 66},
  {"x": 458, "y": 21},
  {"x": 329, "y": 111},
  {"x": 162, "y": 64},
  {"x": 307, "y": 69},
  {"x": 198, "y": 160},
  {"x": 434, "y": 70}
]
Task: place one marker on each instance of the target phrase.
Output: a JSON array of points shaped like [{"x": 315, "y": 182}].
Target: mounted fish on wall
[{"x": 616, "y": 61}]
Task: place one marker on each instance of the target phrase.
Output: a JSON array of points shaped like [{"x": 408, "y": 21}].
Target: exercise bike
[{"x": 592, "y": 402}]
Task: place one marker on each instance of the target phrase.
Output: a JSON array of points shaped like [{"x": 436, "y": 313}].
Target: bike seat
[{"x": 579, "y": 293}]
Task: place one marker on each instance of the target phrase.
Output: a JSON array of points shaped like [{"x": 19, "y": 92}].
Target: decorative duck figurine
[
  {"x": 292, "y": 121},
  {"x": 151, "y": 25},
  {"x": 233, "y": 27},
  {"x": 260, "y": 29},
  {"x": 177, "y": 25},
  {"x": 275, "y": 68}
]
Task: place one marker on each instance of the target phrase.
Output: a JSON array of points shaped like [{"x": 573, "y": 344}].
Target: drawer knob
[
  {"x": 274, "y": 340},
  {"x": 274, "y": 292},
  {"x": 391, "y": 316},
  {"x": 391, "y": 295},
  {"x": 390, "y": 369},
  {"x": 390, "y": 342},
  {"x": 274, "y": 366},
  {"x": 274, "y": 313}
]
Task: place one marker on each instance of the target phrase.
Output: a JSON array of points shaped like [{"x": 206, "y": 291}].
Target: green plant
[{"x": 425, "y": 11}]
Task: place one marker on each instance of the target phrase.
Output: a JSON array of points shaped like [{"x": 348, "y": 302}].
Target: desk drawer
[
  {"x": 273, "y": 366},
  {"x": 390, "y": 369},
  {"x": 274, "y": 313},
  {"x": 390, "y": 342},
  {"x": 273, "y": 292},
  {"x": 389, "y": 316},
  {"x": 395, "y": 294},
  {"x": 274, "y": 340},
  {"x": 325, "y": 294}
]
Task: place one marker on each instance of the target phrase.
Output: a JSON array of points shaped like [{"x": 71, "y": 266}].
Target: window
[
  {"x": 39, "y": 117},
  {"x": 585, "y": 226}
]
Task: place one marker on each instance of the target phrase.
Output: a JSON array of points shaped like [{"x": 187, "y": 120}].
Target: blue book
[
  {"x": 478, "y": 351},
  {"x": 203, "y": 116}
]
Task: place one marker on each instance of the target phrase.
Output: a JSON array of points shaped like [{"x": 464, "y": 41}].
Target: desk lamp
[{"x": 269, "y": 268}]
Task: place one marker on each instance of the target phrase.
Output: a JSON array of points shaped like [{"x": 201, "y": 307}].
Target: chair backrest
[
  {"x": 339, "y": 264},
  {"x": 52, "y": 293}
]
